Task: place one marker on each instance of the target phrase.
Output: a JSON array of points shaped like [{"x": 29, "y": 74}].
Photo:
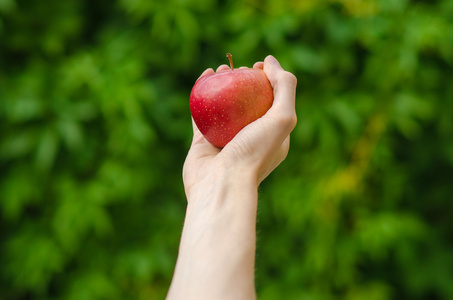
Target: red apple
[{"x": 225, "y": 102}]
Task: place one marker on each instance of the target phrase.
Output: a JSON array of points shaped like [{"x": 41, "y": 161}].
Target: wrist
[
  {"x": 223, "y": 185},
  {"x": 217, "y": 250}
]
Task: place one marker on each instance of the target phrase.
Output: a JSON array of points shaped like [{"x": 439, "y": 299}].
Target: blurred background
[{"x": 95, "y": 126}]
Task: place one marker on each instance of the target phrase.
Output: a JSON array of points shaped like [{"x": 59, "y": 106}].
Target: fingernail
[{"x": 272, "y": 60}]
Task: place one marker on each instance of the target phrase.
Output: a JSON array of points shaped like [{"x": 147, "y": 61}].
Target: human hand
[
  {"x": 217, "y": 250},
  {"x": 258, "y": 148}
]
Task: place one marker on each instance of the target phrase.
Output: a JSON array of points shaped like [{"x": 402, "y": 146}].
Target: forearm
[{"x": 217, "y": 251}]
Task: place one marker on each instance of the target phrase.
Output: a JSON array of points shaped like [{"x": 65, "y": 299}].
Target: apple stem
[{"x": 230, "y": 59}]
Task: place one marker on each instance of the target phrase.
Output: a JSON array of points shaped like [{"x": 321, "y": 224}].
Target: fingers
[
  {"x": 206, "y": 72},
  {"x": 284, "y": 85},
  {"x": 196, "y": 131},
  {"x": 272, "y": 68},
  {"x": 222, "y": 68},
  {"x": 277, "y": 76},
  {"x": 200, "y": 146},
  {"x": 258, "y": 65},
  {"x": 210, "y": 71},
  {"x": 280, "y": 155}
]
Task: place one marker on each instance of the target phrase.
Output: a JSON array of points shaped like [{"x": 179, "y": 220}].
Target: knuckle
[
  {"x": 289, "y": 77},
  {"x": 293, "y": 121},
  {"x": 287, "y": 121},
  {"x": 285, "y": 149}
]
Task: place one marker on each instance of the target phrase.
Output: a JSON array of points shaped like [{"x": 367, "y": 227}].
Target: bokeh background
[{"x": 95, "y": 126}]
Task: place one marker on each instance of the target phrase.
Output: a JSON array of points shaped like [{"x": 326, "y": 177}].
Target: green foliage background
[{"x": 95, "y": 125}]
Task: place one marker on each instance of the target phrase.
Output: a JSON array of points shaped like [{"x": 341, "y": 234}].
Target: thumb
[{"x": 283, "y": 84}]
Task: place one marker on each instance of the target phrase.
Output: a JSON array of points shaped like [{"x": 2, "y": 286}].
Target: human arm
[{"x": 217, "y": 251}]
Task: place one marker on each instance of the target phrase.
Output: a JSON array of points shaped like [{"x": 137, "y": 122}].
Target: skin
[
  {"x": 234, "y": 98},
  {"x": 216, "y": 257}
]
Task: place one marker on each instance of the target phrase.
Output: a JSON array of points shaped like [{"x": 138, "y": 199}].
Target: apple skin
[{"x": 223, "y": 103}]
